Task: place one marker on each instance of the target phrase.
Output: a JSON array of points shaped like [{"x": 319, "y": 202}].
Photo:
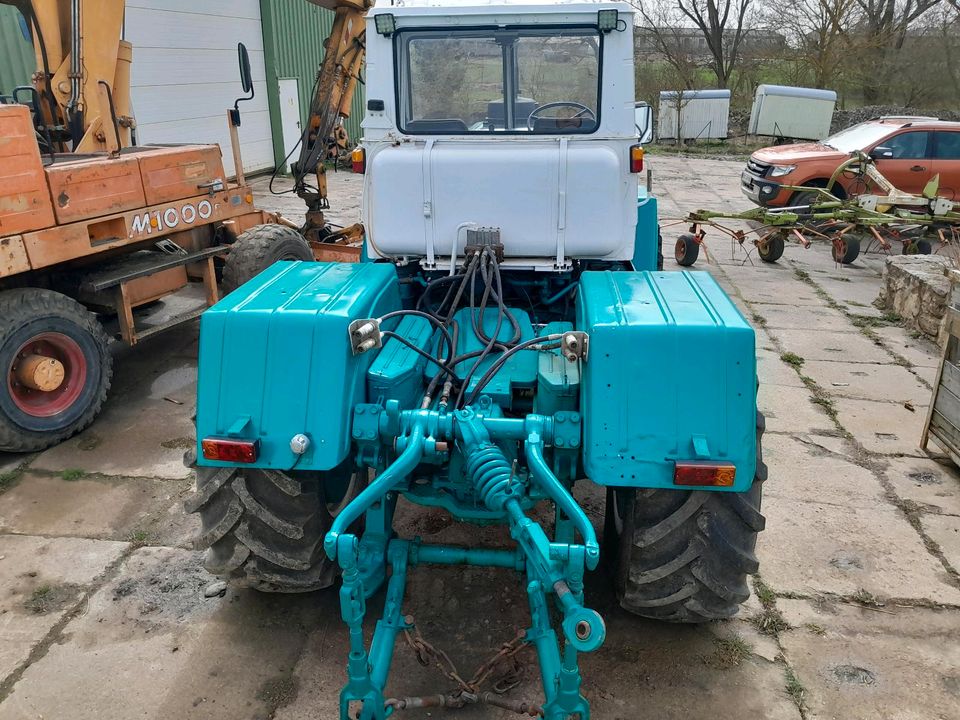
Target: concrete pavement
[{"x": 857, "y": 610}]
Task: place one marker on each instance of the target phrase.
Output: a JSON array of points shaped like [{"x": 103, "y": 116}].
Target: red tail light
[
  {"x": 358, "y": 158},
  {"x": 636, "y": 158},
  {"x": 237, "y": 451},
  {"x": 704, "y": 474}
]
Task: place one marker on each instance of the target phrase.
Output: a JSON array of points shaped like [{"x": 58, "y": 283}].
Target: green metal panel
[
  {"x": 17, "y": 62},
  {"x": 293, "y": 35}
]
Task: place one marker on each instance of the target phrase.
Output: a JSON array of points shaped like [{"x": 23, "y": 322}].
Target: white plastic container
[
  {"x": 792, "y": 112},
  {"x": 693, "y": 115}
]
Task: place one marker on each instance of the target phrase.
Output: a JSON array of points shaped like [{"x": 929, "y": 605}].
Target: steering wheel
[{"x": 582, "y": 111}]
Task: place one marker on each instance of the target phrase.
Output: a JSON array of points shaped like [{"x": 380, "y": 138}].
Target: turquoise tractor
[{"x": 506, "y": 335}]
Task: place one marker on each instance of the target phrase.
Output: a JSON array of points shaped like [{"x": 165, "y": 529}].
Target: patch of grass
[
  {"x": 792, "y": 359},
  {"x": 795, "y": 689},
  {"x": 139, "y": 538},
  {"x": 764, "y": 593},
  {"x": 71, "y": 474},
  {"x": 869, "y": 321},
  {"x": 9, "y": 479},
  {"x": 729, "y": 652},
  {"x": 770, "y": 622},
  {"x": 38, "y": 599},
  {"x": 759, "y": 320},
  {"x": 47, "y": 598},
  {"x": 867, "y": 598},
  {"x": 802, "y": 275},
  {"x": 816, "y": 629}
]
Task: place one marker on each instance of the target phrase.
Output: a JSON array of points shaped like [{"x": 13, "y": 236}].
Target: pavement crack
[
  {"x": 55, "y": 634},
  {"x": 873, "y": 462}
]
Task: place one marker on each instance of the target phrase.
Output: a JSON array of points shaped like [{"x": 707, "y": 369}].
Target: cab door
[
  {"x": 905, "y": 159},
  {"x": 946, "y": 162}
]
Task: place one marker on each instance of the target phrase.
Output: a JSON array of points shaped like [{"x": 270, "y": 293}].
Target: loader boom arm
[
  {"x": 325, "y": 135},
  {"x": 82, "y": 83}
]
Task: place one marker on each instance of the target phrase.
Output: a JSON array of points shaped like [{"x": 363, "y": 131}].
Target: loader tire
[
  {"x": 684, "y": 556},
  {"x": 264, "y": 529},
  {"x": 257, "y": 249},
  {"x": 44, "y": 328}
]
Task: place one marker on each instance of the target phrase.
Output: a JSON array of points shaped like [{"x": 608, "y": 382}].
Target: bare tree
[
  {"x": 821, "y": 36},
  {"x": 885, "y": 24},
  {"x": 722, "y": 23}
]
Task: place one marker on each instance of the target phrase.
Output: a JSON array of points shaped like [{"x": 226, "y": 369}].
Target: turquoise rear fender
[
  {"x": 670, "y": 376},
  {"x": 275, "y": 360}
]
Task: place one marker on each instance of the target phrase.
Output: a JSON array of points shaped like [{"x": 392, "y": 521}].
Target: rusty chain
[{"x": 468, "y": 692}]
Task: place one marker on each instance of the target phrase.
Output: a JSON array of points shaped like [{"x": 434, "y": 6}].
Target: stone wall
[{"x": 915, "y": 288}]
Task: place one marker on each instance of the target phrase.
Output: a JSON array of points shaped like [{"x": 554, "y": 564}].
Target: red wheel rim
[{"x": 38, "y": 403}]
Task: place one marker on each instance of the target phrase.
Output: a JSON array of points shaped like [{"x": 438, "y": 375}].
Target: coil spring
[{"x": 490, "y": 472}]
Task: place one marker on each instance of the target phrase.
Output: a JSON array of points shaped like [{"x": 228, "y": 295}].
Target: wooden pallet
[{"x": 943, "y": 415}]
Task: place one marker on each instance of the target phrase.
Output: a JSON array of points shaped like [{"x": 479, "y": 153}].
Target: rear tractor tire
[
  {"x": 264, "y": 529},
  {"x": 58, "y": 367},
  {"x": 257, "y": 249},
  {"x": 684, "y": 556},
  {"x": 687, "y": 250}
]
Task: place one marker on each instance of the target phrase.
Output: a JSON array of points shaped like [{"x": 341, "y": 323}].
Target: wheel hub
[
  {"x": 47, "y": 374},
  {"x": 40, "y": 372}
]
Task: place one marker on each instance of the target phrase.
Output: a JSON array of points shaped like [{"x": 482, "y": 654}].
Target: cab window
[
  {"x": 908, "y": 145},
  {"x": 946, "y": 145},
  {"x": 504, "y": 80}
]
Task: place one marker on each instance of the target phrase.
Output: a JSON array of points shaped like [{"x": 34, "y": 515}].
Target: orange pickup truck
[{"x": 909, "y": 151}]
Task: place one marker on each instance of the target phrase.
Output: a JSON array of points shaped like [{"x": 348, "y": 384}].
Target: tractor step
[{"x": 144, "y": 277}]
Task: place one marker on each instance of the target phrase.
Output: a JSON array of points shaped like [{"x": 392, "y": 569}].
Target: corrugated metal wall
[
  {"x": 293, "y": 35},
  {"x": 17, "y": 62}
]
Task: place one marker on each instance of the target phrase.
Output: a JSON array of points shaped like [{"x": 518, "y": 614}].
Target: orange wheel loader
[{"x": 92, "y": 228}]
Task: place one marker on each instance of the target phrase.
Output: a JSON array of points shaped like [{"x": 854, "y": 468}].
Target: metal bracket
[
  {"x": 365, "y": 335},
  {"x": 574, "y": 345}
]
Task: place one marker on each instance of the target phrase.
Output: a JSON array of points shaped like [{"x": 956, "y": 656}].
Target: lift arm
[
  {"x": 325, "y": 136},
  {"x": 81, "y": 88}
]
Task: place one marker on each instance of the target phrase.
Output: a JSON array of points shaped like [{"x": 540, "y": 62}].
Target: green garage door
[{"x": 16, "y": 52}]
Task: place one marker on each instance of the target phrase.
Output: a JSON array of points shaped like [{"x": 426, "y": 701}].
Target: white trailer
[
  {"x": 693, "y": 114},
  {"x": 792, "y": 112}
]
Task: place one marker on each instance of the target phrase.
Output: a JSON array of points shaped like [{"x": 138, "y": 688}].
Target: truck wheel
[
  {"x": 265, "y": 528},
  {"x": 771, "y": 250},
  {"x": 257, "y": 249},
  {"x": 58, "y": 368},
  {"x": 659, "y": 251},
  {"x": 684, "y": 556},
  {"x": 846, "y": 249},
  {"x": 687, "y": 250}
]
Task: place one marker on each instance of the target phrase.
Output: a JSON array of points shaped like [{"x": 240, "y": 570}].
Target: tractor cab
[{"x": 518, "y": 119}]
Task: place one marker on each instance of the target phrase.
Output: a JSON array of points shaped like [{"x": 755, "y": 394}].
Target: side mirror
[
  {"x": 881, "y": 153},
  {"x": 246, "y": 82},
  {"x": 246, "y": 76},
  {"x": 643, "y": 119}
]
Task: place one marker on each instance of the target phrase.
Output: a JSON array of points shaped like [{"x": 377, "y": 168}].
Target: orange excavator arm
[
  {"x": 325, "y": 136},
  {"x": 81, "y": 92}
]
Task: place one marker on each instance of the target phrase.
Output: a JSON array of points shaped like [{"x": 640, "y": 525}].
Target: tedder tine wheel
[
  {"x": 58, "y": 366},
  {"x": 846, "y": 249},
  {"x": 257, "y": 249},
  {"x": 771, "y": 249},
  {"x": 687, "y": 250},
  {"x": 684, "y": 557}
]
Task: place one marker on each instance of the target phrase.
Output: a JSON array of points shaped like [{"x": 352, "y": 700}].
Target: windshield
[
  {"x": 858, "y": 137},
  {"x": 504, "y": 80}
]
